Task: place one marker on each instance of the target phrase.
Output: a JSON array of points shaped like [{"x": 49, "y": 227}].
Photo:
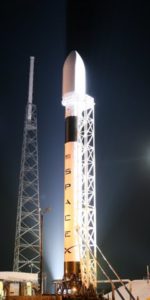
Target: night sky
[{"x": 113, "y": 38}]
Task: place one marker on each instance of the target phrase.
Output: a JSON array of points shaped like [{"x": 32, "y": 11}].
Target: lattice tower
[
  {"x": 87, "y": 232},
  {"x": 27, "y": 252}
]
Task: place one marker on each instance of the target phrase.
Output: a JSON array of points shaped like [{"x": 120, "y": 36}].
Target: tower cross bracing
[
  {"x": 87, "y": 230},
  {"x": 27, "y": 252}
]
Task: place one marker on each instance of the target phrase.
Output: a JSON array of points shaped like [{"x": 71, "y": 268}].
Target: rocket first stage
[
  {"x": 73, "y": 89},
  {"x": 79, "y": 190}
]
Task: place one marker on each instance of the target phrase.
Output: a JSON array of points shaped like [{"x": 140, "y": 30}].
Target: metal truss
[
  {"x": 27, "y": 257},
  {"x": 87, "y": 227}
]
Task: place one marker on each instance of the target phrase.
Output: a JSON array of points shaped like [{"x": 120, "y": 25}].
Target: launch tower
[
  {"x": 27, "y": 254},
  {"x": 79, "y": 185}
]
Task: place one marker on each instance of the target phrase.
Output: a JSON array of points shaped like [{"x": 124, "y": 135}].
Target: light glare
[{"x": 80, "y": 82}]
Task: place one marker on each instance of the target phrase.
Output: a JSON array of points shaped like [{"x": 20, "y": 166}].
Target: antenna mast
[{"x": 30, "y": 93}]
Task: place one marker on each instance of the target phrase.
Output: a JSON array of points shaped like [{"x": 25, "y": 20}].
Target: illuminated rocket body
[
  {"x": 79, "y": 177},
  {"x": 73, "y": 91}
]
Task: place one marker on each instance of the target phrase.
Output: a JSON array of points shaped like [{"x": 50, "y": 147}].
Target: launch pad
[
  {"x": 80, "y": 248},
  {"x": 53, "y": 297},
  {"x": 37, "y": 297},
  {"x": 73, "y": 288}
]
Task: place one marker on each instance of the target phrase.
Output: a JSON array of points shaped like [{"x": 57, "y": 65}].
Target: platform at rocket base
[{"x": 73, "y": 98}]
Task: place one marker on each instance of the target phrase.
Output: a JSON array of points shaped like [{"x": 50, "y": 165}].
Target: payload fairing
[{"x": 79, "y": 181}]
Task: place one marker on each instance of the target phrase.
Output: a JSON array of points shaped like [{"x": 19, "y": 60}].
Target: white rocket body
[{"x": 73, "y": 95}]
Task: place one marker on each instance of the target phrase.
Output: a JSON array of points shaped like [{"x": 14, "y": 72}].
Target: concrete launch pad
[
  {"x": 52, "y": 297},
  {"x": 36, "y": 297},
  {"x": 140, "y": 289}
]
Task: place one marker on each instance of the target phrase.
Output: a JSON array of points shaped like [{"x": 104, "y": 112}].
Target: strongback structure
[
  {"x": 79, "y": 186},
  {"x": 87, "y": 232},
  {"x": 27, "y": 252}
]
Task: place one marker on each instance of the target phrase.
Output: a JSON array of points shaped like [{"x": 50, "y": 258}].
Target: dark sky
[{"x": 113, "y": 38}]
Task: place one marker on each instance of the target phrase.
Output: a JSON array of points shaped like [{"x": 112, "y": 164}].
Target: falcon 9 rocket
[{"x": 79, "y": 195}]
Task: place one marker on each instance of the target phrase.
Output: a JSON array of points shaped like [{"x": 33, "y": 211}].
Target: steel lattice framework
[
  {"x": 27, "y": 242},
  {"x": 87, "y": 230},
  {"x": 27, "y": 252}
]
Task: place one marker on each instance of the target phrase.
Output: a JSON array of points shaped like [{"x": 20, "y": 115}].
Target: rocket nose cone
[{"x": 74, "y": 74}]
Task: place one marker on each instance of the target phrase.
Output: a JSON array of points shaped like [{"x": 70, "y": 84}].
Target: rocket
[{"x": 72, "y": 99}]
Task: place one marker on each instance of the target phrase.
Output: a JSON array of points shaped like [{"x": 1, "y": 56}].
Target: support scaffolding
[
  {"x": 87, "y": 230},
  {"x": 27, "y": 252}
]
